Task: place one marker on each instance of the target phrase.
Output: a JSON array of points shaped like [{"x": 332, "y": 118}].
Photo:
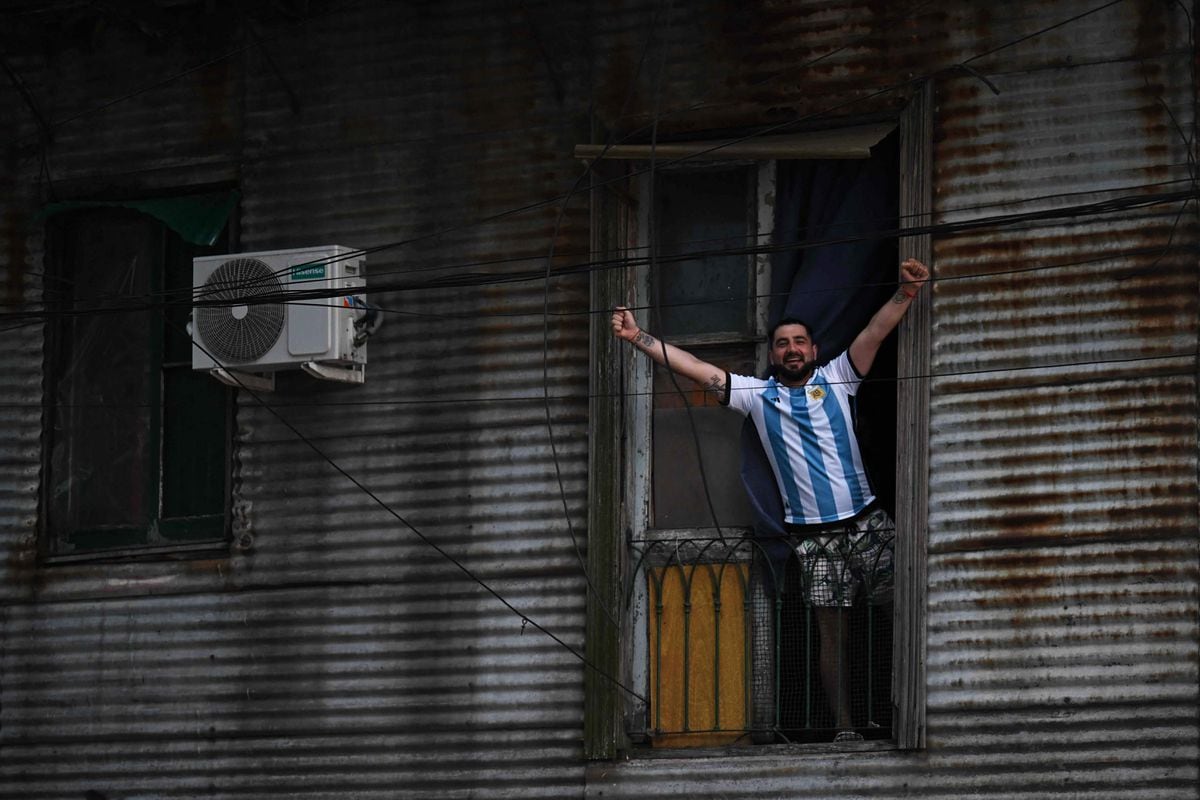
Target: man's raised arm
[
  {"x": 913, "y": 275},
  {"x": 681, "y": 362}
]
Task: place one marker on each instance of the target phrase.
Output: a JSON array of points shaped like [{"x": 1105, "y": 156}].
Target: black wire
[
  {"x": 652, "y": 267},
  {"x": 618, "y": 395},
  {"x": 846, "y": 288},
  {"x": 463, "y": 568},
  {"x": 524, "y": 208},
  {"x": 676, "y": 244},
  {"x": 1047, "y": 29},
  {"x": 769, "y": 129},
  {"x": 930, "y": 229},
  {"x": 185, "y": 293},
  {"x": 1076, "y": 213},
  {"x": 562, "y": 492},
  {"x": 261, "y": 42},
  {"x": 1158, "y": 252}
]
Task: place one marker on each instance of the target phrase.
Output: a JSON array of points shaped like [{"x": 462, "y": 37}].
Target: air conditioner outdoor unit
[{"x": 243, "y": 336}]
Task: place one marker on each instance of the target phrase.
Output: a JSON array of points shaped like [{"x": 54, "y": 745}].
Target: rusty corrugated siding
[
  {"x": 1063, "y": 519},
  {"x": 1062, "y": 617}
]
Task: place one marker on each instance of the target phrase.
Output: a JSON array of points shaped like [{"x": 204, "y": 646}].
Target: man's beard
[{"x": 788, "y": 375}]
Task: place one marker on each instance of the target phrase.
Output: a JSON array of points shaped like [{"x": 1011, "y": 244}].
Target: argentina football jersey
[{"x": 807, "y": 433}]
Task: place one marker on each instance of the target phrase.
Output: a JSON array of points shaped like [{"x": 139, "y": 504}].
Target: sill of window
[
  {"x": 812, "y": 750},
  {"x": 816, "y": 750},
  {"x": 174, "y": 552}
]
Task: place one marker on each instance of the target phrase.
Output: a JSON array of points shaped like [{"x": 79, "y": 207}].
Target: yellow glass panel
[{"x": 698, "y": 657}]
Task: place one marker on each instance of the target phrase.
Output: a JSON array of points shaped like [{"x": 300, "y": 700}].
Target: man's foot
[{"x": 848, "y": 736}]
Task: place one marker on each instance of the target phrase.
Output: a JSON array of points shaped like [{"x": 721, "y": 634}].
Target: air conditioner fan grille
[{"x": 243, "y": 330}]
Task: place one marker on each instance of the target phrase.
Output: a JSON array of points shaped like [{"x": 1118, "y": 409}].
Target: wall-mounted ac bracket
[
  {"x": 326, "y": 372},
  {"x": 264, "y": 382}
]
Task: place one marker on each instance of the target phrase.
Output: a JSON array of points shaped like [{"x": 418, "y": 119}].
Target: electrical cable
[
  {"x": 652, "y": 267},
  {"x": 605, "y": 311},
  {"x": 1047, "y": 29},
  {"x": 509, "y": 400},
  {"x": 959, "y": 66},
  {"x": 1188, "y": 143},
  {"x": 1156, "y": 251},
  {"x": 676, "y": 244},
  {"x": 458, "y": 564},
  {"x": 543, "y": 204},
  {"x": 185, "y": 297},
  {"x": 725, "y": 144},
  {"x": 608, "y": 612},
  {"x": 1080, "y": 213},
  {"x": 308, "y": 297},
  {"x": 1069, "y": 212},
  {"x": 1077, "y": 213}
]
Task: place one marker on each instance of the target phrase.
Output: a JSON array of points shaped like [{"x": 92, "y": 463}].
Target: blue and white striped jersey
[{"x": 808, "y": 435}]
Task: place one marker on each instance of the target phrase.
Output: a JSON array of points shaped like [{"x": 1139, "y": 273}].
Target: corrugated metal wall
[
  {"x": 335, "y": 655},
  {"x": 1062, "y": 618},
  {"x": 1063, "y": 597}
]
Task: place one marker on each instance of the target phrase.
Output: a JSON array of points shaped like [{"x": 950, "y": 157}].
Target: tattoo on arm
[
  {"x": 644, "y": 340},
  {"x": 901, "y": 298},
  {"x": 716, "y": 385}
]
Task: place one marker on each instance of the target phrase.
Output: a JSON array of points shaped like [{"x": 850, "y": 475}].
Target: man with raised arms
[{"x": 804, "y": 420}]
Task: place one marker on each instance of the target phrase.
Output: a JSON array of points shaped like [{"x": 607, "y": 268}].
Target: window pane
[
  {"x": 104, "y": 454},
  {"x": 138, "y": 445},
  {"x": 703, "y": 210},
  {"x": 193, "y": 444},
  {"x": 698, "y": 630},
  {"x": 194, "y": 431},
  {"x": 679, "y": 492},
  {"x": 177, "y": 283}
]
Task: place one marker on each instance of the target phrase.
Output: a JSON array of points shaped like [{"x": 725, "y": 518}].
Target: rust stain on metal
[
  {"x": 22, "y": 563},
  {"x": 1023, "y": 590},
  {"x": 216, "y": 82},
  {"x": 1152, "y": 30},
  {"x": 749, "y": 67},
  {"x": 1015, "y": 538}
]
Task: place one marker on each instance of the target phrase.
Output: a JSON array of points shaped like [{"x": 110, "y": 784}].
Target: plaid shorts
[{"x": 852, "y": 557}]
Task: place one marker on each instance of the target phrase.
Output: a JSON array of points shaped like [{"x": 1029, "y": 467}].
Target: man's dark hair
[{"x": 789, "y": 321}]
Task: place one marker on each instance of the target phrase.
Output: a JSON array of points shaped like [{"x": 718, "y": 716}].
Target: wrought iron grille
[{"x": 752, "y": 640}]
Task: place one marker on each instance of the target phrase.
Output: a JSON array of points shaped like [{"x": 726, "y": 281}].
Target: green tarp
[{"x": 198, "y": 218}]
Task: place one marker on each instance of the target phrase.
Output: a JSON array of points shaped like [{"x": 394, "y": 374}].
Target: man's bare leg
[{"x": 834, "y": 627}]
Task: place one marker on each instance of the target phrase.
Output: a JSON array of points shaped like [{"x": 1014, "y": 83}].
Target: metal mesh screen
[{"x": 813, "y": 629}]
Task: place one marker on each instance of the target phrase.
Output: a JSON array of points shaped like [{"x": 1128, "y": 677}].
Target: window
[
  {"x": 715, "y": 658},
  {"x": 137, "y": 444},
  {"x": 733, "y": 651},
  {"x": 711, "y": 305}
]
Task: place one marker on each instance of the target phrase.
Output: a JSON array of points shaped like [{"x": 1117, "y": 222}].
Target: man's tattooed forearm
[
  {"x": 715, "y": 385},
  {"x": 901, "y": 297},
  {"x": 644, "y": 339}
]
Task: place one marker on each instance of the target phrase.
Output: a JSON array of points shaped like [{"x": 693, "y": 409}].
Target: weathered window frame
[
  {"x": 615, "y": 500},
  {"x": 163, "y": 534}
]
